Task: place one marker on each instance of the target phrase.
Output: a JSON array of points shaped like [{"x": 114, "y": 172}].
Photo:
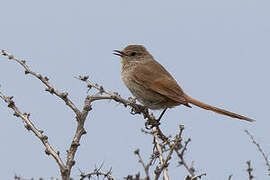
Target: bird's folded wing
[{"x": 156, "y": 78}]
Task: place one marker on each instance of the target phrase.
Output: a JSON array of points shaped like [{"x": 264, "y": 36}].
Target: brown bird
[{"x": 153, "y": 86}]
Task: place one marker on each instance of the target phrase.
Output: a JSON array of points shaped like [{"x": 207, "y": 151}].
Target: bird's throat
[{"x": 124, "y": 61}]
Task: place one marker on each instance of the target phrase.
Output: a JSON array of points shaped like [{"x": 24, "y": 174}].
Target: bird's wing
[{"x": 156, "y": 78}]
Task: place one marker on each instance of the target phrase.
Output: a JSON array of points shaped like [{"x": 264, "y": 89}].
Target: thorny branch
[
  {"x": 167, "y": 148},
  {"x": 260, "y": 150},
  {"x": 65, "y": 169},
  {"x": 45, "y": 81},
  {"x": 98, "y": 173},
  {"x": 164, "y": 163},
  {"x": 20, "y": 178},
  {"x": 147, "y": 166},
  {"x": 31, "y": 127}
]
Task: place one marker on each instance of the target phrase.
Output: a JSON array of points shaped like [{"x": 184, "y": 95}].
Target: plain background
[{"x": 218, "y": 51}]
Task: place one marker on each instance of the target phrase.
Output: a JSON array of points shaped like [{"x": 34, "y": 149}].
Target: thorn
[
  {"x": 44, "y": 138},
  {"x": 89, "y": 86},
  {"x": 41, "y": 131},
  {"x": 16, "y": 114},
  {"x": 64, "y": 95},
  {"x": 27, "y": 115},
  {"x": 27, "y": 127},
  {"x": 10, "y": 102},
  {"x": 101, "y": 90},
  {"x": 47, "y": 152},
  {"x": 39, "y": 76},
  {"x": 73, "y": 163},
  {"x": 4, "y": 52},
  {"x": 84, "y": 132},
  {"x": 137, "y": 151},
  {"x": 83, "y": 78},
  {"x": 50, "y": 90},
  {"x": 10, "y": 56}
]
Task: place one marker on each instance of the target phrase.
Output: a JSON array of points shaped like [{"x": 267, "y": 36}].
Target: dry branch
[
  {"x": 31, "y": 127},
  {"x": 65, "y": 169},
  {"x": 260, "y": 150}
]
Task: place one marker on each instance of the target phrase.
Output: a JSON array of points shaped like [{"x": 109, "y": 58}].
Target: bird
[{"x": 153, "y": 86}]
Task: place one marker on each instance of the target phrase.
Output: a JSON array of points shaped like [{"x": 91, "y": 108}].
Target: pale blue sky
[{"x": 218, "y": 51}]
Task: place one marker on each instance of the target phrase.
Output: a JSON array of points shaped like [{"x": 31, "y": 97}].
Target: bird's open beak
[{"x": 119, "y": 53}]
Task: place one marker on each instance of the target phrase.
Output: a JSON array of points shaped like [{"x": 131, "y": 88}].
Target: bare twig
[
  {"x": 98, "y": 173},
  {"x": 260, "y": 150},
  {"x": 145, "y": 166},
  {"x": 20, "y": 178},
  {"x": 196, "y": 177},
  {"x": 180, "y": 155},
  {"x": 45, "y": 81},
  {"x": 163, "y": 163},
  {"x": 178, "y": 146},
  {"x": 78, "y": 134},
  {"x": 31, "y": 127},
  {"x": 249, "y": 170}
]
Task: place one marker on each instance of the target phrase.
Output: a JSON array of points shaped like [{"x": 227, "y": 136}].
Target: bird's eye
[{"x": 133, "y": 54}]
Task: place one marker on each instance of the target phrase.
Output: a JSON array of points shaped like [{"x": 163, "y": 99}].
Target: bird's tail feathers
[{"x": 215, "y": 109}]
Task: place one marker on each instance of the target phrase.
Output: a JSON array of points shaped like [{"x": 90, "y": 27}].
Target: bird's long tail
[{"x": 215, "y": 109}]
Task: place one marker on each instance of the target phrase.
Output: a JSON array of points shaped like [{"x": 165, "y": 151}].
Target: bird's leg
[
  {"x": 152, "y": 122},
  {"x": 162, "y": 114}
]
